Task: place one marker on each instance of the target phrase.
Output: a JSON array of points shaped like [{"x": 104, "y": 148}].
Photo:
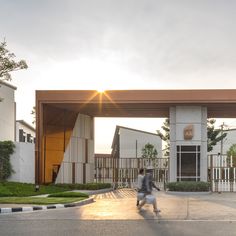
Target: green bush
[
  {"x": 88, "y": 186},
  {"x": 68, "y": 194},
  {"x": 188, "y": 186},
  {"x": 6, "y": 149}
]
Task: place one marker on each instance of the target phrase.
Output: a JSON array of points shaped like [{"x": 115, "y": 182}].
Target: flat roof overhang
[{"x": 139, "y": 103}]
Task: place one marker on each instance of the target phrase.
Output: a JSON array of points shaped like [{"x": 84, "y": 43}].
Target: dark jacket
[{"x": 148, "y": 184}]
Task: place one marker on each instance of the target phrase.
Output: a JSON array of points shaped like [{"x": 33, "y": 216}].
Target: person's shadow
[{"x": 148, "y": 214}]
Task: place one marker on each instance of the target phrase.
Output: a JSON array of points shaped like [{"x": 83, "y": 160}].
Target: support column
[{"x": 188, "y": 131}]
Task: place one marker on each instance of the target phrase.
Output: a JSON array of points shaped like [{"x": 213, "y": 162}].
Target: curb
[{"x": 37, "y": 208}]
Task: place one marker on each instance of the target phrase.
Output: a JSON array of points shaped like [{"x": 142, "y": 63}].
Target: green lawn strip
[
  {"x": 23, "y": 189},
  {"x": 15, "y": 189},
  {"x": 39, "y": 200}
]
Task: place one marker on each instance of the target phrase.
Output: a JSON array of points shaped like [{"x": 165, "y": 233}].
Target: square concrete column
[{"x": 188, "y": 131}]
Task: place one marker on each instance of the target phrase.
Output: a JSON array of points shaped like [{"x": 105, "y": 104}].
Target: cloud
[{"x": 139, "y": 44}]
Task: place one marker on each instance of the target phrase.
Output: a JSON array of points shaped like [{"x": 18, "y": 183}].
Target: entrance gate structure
[
  {"x": 65, "y": 128},
  {"x": 123, "y": 172}
]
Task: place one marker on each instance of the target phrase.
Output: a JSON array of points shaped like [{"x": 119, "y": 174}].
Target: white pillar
[{"x": 180, "y": 118}]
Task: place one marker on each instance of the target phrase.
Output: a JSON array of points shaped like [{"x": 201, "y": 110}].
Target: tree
[
  {"x": 232, "y": 152},
  {"x": 213, "y": 135},
  {"x": 149, "y": 151},
  {"x": 166, "y": 135},
  {"x": 33, "y": 113},
  {"x": 8, "y": 64}
]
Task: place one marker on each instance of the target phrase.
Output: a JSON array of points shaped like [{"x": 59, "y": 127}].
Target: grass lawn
[
  {"x": 39, "y": 200},
  {"x": 15, "y": 189}
]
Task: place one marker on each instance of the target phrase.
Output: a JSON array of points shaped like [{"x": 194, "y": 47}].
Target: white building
[
  {"x": 128, "y": 143},
  {"x": 19, "y": 132},
  {"x": 24, "y": 132},
  {"x": 7, "y": 111}
]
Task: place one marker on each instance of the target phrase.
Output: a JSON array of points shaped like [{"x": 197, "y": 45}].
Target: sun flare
[{"x": 101, "y": 90}]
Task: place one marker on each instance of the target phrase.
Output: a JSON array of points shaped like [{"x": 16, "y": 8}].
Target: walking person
[
  {"x": 147, "y": 186},
  {"x": 139, "y": 184}
]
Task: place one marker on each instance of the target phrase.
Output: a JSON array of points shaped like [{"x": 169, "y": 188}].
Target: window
[
  {"x": 188, "y": 163},
  {"x": 21, "y": 135},
  {"x": 29, "y": 140}
]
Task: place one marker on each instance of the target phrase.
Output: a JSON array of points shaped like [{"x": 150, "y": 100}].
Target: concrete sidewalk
[{"x": 212, "y": 206}]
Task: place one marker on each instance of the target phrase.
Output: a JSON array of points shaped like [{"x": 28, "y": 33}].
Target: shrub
[
  {"x": 6, "y": 149},
  {"x": 88, "y": 186},
  {"x": 188, "y": 186}
]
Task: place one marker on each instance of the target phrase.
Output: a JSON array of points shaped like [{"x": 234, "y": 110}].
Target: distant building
[
  {"x": 7, "y": 111},
  {"x": 128, "y": 143},
  {"x": 19, "y": 132},
  {"x": 24, "y": 132}
]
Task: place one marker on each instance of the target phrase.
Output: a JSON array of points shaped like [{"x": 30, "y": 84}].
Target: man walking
[{"x": 147, "y": 186}]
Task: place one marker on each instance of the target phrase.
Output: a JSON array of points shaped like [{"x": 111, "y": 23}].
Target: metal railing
[
  {"x": 222, "y": 173},
  {"x": 123, "y": 172}
]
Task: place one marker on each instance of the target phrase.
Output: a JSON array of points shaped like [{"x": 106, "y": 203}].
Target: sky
[{"x": 125, "y": 44}]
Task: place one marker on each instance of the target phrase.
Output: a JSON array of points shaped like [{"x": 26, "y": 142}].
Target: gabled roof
[
  {"x": 7, "y": 84},
  {"x": 26, "y": 124},
  {"x": 118, "y": 127}
]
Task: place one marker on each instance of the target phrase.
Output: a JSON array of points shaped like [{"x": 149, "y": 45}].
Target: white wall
[
  {"x": 23, "y": 163},
  {"x": 75, "y": 152},
  {"x": 7, "y": 112},
  {"x": 129, "y": 138}
]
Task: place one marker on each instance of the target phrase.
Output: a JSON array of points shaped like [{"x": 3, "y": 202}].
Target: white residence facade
[
  {"x": 25, "y": 132},
  {"x": 19, "y": 132},
  {"x": 7, "y": 111},
  {"x": 128, "y": 142}
]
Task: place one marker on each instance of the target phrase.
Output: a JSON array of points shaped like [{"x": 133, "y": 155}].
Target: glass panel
[
  {"x": 188, "y": 164},
  {"x": 188, "y": 148},
  {"x": 198, "y": 165},
  {"x": 178, "y": 165}
]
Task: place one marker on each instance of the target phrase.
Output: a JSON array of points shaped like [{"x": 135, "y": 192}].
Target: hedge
[
  {"x": 188, "y": 186},
  {"x": 88, "y": 186}
]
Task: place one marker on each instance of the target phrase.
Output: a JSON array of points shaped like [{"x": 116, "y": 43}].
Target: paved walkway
[{"x": 120, "y": 204}]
